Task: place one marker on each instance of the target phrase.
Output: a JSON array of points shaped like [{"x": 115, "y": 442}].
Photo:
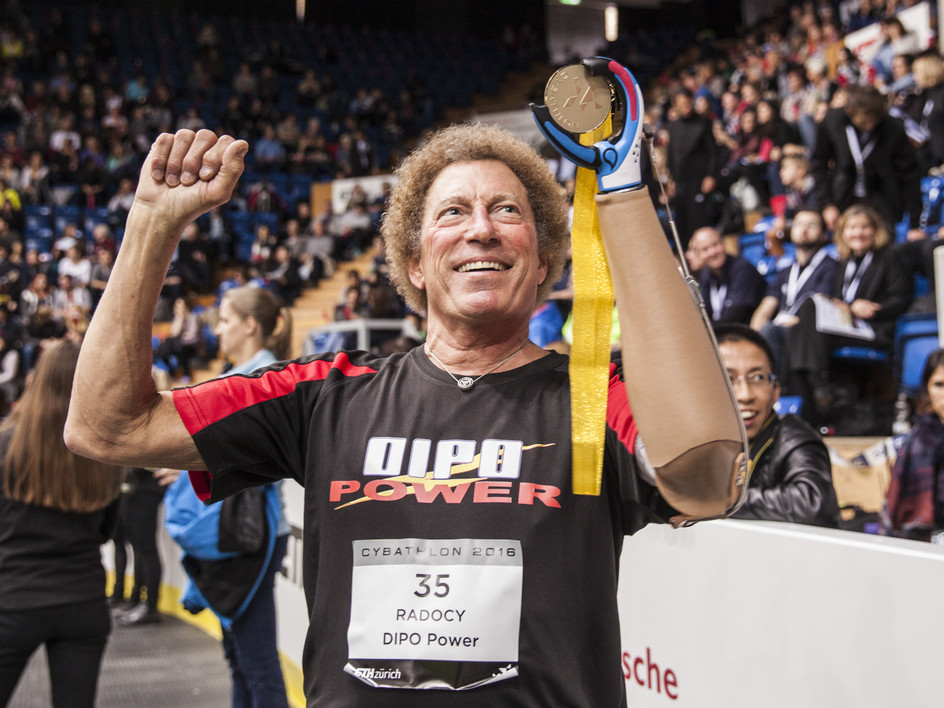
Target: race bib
[{"x": 441, "y": 613}]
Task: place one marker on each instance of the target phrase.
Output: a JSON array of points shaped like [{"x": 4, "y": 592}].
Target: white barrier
[{"x": 737, "y": 613}]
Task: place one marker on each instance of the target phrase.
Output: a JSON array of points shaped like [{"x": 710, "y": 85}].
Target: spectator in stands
[
  {"x": 9, "y": 172},
  {"x": 813, "y": 271},
  {"x": 102, "y": 240},
  {"x": 913, "y": 505},
  {"x": 120, "y": 203},
  {"x": 863, "y": 155},
  {"x": 357, "y": 230},
  {"x": 791, "y": 474},
  {"x": 219, "y": 239},
  {"x": 872, "y": 284},
  {"x": 262, "y": 245},
  {"x": 772, "y": 127},
  {"x": 269, "y": 154},
  {"x": 11, "y": 369},
  {"x": 101, "y": 269},
  {"x": 254, "y": 331},
  {"x": 848, "y": 69},
  {"x": 194, "y": 263},
  {"x": 245, "y": 83},
  {"x": 75, "y": 264},
  {"x": 34, "y": 184},
  {"x": 731, "y": 286},
  {"x": 902, "y": 86},
  {"x": 288, "y": 133},
  {"x": 352, "y": 308},
  {"x": 39, "y": 292},
  {"x": 264, "y": 197},
  {"x": 282, "y": 275},
  {"x": 796, "y": 195},
  {"x": 71, "y": 301},
  {"x": 56, "y": 510},
  {"x": 11, "y": 206},
  {"x": 182, "y": 342},
  {"x": 693, "y": 163},
  {"x": 41, "y": 330},
  {"x": 928, "y": 72},
  {"x": 895, "y": 40}
]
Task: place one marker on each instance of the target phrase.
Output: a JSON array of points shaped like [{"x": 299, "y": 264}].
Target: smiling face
[
  {"x": 745, "y": 361},
  {"x": 859, "y": 234},
  {"x": 478, "y": 246},
  {"x": 708, "y": 249}
]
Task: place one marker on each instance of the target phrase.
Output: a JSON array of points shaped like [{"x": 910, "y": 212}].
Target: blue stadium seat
[
  {"x": 914, "y": 355},
  {"x": 868, "y": 354},
  {"x": 789, "y": 404},
  {"x": 916, "y": 336}
]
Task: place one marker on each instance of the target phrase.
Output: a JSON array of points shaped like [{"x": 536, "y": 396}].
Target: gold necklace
[{"x": 466, "y": 382}]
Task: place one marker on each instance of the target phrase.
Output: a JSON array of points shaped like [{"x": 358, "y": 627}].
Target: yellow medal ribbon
[{"x": 592, "y": 320}]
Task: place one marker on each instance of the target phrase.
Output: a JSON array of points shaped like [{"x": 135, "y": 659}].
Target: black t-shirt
[
  {"x": 420, "y": 496},
  {"x": 49, "y": 557}
]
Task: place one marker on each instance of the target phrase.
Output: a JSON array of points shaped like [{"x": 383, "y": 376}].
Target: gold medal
[{"x": 577, "y": 101}]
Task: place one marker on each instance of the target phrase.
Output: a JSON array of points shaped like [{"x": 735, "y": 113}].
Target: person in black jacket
[
  {"x": 862, "y": 155},
  {"x": 928, "y": 70},
  {"x": 872, "y": 285},
  {"x": 791, "y": 477},
  {"x": 731, "y": 286},
  {"x": 693, "y": 162}
]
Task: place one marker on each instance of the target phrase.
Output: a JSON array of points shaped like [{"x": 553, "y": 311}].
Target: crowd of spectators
[
  {"x": 751, "y": 128},
  {"x": 798, "y": 114},
  {"x": 77, "y": 118}
]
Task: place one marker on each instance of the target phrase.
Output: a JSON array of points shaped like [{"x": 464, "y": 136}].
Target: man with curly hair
[{"x": 445, "y": 547}]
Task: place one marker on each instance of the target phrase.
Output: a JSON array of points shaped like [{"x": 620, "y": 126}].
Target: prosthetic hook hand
[
  {"x": 616, "y": 160},
  {"x": 682, "y": 399}
]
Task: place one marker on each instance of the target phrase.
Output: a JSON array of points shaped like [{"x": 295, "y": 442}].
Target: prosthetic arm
[{"x": 681, "y": 397}]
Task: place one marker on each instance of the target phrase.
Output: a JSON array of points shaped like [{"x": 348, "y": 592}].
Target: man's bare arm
[{"x": 116, "y": 414}]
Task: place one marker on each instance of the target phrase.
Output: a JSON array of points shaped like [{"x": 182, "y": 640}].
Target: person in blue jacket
[{"x": 233, "y": 549}]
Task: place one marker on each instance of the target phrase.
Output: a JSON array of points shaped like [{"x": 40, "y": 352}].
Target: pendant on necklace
[{"x": 465, "y": 383}]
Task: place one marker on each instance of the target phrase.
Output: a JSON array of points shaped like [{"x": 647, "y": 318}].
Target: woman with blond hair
[
  {"x": 56, "y": 509},
  {"x": 928, "y": 72},
  {"x": 236, "y": 580},
  {"x": 872, "y": 285}
]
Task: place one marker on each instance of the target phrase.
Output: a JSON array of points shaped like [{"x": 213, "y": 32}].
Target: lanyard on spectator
[
  {"x": 853, "y": 276},
  {"x": 797, "y": 280},
  {"x": 593, "y": 317},
  {"x": 859, "y": 155},
  {"x": 717, "y": 293}
]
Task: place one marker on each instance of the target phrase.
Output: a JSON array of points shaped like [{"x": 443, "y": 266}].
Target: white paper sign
[{"x": 440, "y": 600}]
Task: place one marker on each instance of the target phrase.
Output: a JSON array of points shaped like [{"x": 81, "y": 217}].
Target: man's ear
[
  {"x": 416, "y": 274},
  {"x": 542, "y": 269}
]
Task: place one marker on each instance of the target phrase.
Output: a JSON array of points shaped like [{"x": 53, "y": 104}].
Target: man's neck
[
  {"x": 804, "y": 254},
  {"x": 466, "y": 351}
]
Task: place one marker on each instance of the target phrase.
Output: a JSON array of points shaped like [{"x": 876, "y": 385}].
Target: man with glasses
[{"x": 791, "y": 478}]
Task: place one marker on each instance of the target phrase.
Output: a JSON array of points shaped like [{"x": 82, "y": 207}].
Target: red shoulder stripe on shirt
[
  {"x": 619, "y": 416},
  {"x": 200, "y": 481},
  {"x": 213, "y": 401}
]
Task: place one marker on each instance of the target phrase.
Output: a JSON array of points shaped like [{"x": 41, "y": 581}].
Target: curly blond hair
[{"x": 402, "y": 224}]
